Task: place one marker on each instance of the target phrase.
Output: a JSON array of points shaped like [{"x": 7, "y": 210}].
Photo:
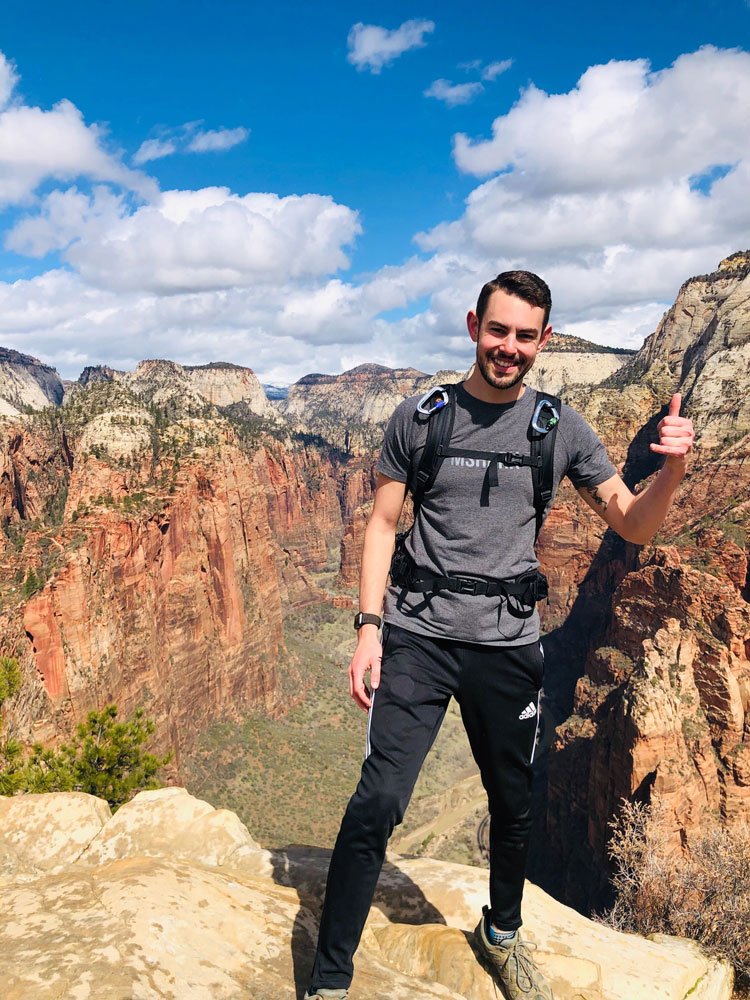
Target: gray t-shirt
[{"x": 454, "y": 535}]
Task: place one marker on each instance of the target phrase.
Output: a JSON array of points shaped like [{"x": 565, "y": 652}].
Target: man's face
[{"x": 508, "y": 340}]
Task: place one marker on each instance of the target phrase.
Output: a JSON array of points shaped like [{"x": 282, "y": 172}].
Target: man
[{"x": 477, "y": 521}]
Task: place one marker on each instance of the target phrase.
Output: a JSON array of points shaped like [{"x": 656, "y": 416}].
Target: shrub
[
  {"x": 105, "y": 758},
  {"x": 10, "y": 677},
  {"x": 701, "y": 894},
  {"x": 32, "y": 584}
]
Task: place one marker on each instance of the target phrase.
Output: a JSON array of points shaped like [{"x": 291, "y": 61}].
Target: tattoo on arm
[{"x": 593, "y": 492}]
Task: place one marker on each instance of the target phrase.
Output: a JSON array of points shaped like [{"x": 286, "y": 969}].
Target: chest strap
[
  {"x": 440, "y": 407},
  {"x": 508, "y": 459}
]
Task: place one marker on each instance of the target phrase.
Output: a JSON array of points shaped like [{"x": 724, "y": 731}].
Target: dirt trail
[{"x": 461, "y": 800}]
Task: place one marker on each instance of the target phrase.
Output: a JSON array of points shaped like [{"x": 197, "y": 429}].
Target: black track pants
[{"x": 497, "y": 689}]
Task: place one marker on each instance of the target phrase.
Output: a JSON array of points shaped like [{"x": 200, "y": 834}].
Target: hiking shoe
[
  {"x": 511, "y": 965},
  {"x": 323, "y": 994}
]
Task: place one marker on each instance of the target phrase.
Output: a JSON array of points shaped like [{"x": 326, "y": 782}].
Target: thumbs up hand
[{"x": 676, "y": 433}]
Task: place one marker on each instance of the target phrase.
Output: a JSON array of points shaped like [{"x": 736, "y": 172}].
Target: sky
[{"x": 303, "y": 187}]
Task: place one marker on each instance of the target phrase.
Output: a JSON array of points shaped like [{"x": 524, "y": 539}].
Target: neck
[{"x": 477, "y": 386}]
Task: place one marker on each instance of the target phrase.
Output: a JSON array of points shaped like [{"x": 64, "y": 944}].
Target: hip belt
[{"x": 527, "y": 588}]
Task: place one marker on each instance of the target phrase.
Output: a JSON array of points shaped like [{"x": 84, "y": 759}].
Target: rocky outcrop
[
  {"x": 172, "y": 898},
  {"x": 703, "y": 342},
  {"x": 223, "y": 384},
  {"x": 555, "y": 371},
  {"x": 177, "y": 607},
  {"x": 661, "y": 712},
  {"x": 26, "y": 382}
]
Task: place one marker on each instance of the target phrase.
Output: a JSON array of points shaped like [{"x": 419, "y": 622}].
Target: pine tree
[{"x": 105, "y": 757}]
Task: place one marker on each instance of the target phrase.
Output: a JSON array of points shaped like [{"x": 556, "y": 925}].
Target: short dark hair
[{"x": 524, "y": 285}]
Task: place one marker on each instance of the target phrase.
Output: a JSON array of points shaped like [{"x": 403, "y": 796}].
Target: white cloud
[
  {"x": 622, "y": 120},
  {"x": 256, "y": 278},
  {"x": 210, "y": 239},
  {"x": 37, "y": 145},
  {"x": 372, "y": 47},
  {"x": 217, "y": 140},
  {"x": 453, "y": 94},
  {"x": 8, "y": 80},
  {"x": 494, "y": 69},
  {"x": 154, "y": 149},
  {"x": 610, "y": 191},
  {"x": 189, "y": 138},
  {"x": 66, "y": 216}
]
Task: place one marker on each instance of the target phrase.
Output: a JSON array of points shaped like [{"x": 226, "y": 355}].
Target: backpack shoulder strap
[
  {"x": 542, "y": 432},
  {"x": 439, "y": 430}
]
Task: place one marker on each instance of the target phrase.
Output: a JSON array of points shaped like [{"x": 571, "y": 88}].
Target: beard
[{"x": 484, "y": 363}]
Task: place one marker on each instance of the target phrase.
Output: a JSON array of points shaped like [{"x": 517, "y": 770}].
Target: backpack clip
[
  {"x": 541, "y": 424},
  {"x": 430, "y": 397}
]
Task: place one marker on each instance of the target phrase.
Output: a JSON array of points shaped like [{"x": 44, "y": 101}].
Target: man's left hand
[{"x": 676, "y": 433}]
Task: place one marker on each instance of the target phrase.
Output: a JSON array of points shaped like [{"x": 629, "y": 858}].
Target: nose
[{"x": 507, "y": 343}]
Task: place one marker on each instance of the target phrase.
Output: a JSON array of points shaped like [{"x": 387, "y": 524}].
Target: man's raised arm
[
  {"x": 637, "y": 517},
  {"x": 376, "y": 559}
]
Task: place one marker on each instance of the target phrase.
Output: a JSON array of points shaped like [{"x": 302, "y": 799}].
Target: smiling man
[{"x": 483, "y": 461}]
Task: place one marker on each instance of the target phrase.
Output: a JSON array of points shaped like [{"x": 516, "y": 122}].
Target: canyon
[{"x": 160, "y": 525}]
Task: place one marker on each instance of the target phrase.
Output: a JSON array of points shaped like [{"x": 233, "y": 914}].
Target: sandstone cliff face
[
  {"x": 161, "y": 576},
  {"x": 554, "y": 371},
  {"x": 703, "y": 341},
  {"x": 26, "y": 382},
  {"x": 661, "y": 712},
  {"x": 172, "y": 898}
]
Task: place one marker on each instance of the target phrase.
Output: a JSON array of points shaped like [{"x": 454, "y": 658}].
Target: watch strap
[{"x": 363, "y": 618}]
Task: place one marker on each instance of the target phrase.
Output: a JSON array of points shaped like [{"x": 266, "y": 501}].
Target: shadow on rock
[{"x": 305, "y": 869}]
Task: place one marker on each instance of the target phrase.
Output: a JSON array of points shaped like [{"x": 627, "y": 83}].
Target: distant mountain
[
  {"x": 564, "y": 342},
  {"x": 26, "y": 382},
  {"x": 351, "y": 409},
  {"x": 275, "y": 392}
]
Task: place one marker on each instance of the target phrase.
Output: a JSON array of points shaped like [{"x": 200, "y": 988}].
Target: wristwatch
[{"x": 362, "y": 618}]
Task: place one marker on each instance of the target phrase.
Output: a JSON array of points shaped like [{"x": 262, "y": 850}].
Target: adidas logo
[{"x": 529, "y": 712}]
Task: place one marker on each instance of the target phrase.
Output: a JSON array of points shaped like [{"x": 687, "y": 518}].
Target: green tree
[
  {"x": 11, "y": 751},
  {"x": 104, "y": 758},
  {"x": 10, "y": 678},
  {"x": 32, "y": 584}
]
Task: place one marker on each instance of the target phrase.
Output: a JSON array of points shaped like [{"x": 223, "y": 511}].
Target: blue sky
[{"x": 303, "y": 187}]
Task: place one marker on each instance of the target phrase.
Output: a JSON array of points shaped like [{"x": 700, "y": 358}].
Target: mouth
[{"x": 503, "y": 365}]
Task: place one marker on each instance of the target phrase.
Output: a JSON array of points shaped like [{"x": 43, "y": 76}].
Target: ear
[
  {"x": 472, "y": 324},
  {"x": 546, "y": 334}
]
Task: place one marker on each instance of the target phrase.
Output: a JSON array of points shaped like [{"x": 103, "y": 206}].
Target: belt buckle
[{"x": 466, "y": 586}]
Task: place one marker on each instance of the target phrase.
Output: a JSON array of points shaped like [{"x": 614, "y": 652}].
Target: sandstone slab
[
  {"x": 46, "y": 833},
  {"x": 171, "y": 823},
  {"x": 164, "y": 905}
]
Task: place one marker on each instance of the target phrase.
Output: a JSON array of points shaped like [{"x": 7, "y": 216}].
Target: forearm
[
  {"x": 376, "y": 561},
  {"x": 647, "y": 510}
]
